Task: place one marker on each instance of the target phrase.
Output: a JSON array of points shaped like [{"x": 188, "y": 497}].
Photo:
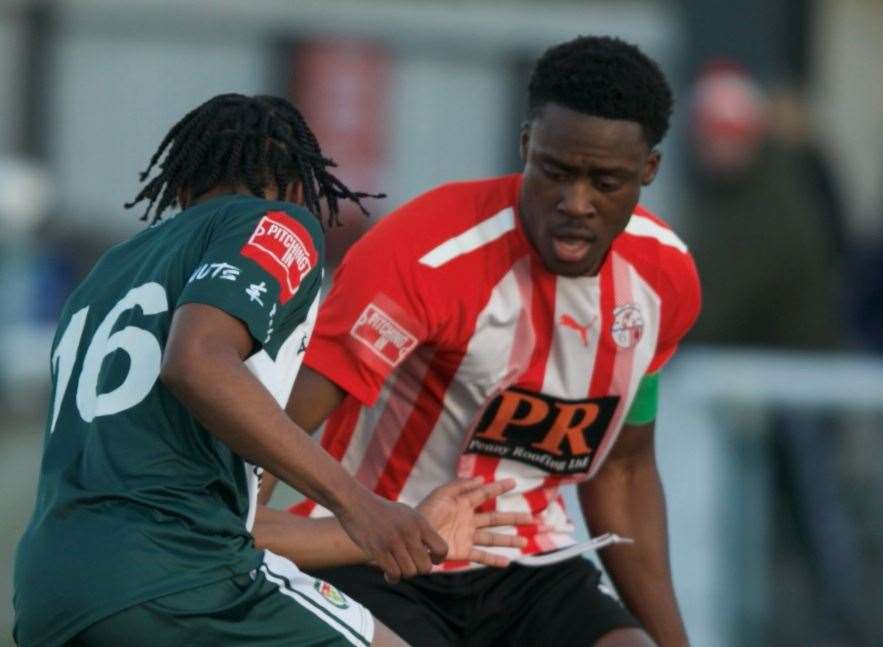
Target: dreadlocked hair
[{"x": 234, "y": 140}]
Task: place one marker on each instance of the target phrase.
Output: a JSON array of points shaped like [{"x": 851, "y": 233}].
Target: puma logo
[{"x": 583, "y": 330}]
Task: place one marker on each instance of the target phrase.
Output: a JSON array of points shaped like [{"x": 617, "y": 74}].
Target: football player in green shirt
[{"x": 170, "y": 367}]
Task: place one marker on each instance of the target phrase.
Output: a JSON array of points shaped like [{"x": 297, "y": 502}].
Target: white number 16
[{"x": 143, "y": 349}]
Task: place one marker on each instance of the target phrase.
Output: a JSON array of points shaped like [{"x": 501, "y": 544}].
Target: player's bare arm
[
  {"x": 312, "y": 401},
  {"x": 626, "y": 497},
  {"x": 451, "y": 509},
  {"x": 203, "y": 366}
]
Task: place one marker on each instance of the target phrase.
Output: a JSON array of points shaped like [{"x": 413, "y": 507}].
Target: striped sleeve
[
  {"x": 680, "y": 306},
  {"x": 374, "y": 317}
]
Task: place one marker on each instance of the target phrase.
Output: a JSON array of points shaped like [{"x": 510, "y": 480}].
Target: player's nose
[{"x": 577, "y": 200}]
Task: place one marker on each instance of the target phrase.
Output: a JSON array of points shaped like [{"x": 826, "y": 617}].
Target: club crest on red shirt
[
  {"x": 284, "y": 248},
  {"x": 628, "y": 325},
  {"x": 383, "y": 335}
]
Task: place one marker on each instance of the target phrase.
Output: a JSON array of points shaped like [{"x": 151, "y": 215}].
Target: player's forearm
[
  {"x": 630, "y": 502},
  {"x": 312, "y": 400},
  {"x": 214, "y": 384},
  {"x": 310, "y": 543}
]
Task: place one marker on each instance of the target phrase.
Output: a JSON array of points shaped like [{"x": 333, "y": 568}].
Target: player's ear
[
  {"x": 651, "y": 167},
  {"x": 524, "y": 140}
]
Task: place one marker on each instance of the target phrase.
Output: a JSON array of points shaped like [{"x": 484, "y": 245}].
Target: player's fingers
[
  {"x": 391, "y": 571},
  {"x": 419, "y": 556},
  {"x": 437, "y": 547},
  {"x": 460, "y": 487},
  {"x": 488, "y": 559},
  {"x": 488, "y": 538},
  {"x": 485, "y": 519},
  {"x": 489, "y": 490},
  {"x": 403, "y": 557}
]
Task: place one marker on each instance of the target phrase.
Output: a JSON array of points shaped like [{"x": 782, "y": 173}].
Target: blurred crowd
[{"x": 769, "y": 228}]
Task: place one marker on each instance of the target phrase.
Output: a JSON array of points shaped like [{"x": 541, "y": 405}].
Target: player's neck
[{"x": 216, "y": 192}]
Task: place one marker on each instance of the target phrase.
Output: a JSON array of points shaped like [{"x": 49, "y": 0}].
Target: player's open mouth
[{"x": 571, "y": 250}]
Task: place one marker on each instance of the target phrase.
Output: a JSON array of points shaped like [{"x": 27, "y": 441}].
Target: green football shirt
[{"x": 136, "y": 499}]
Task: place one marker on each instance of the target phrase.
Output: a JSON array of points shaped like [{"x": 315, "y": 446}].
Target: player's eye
[
  {"x": 555, "y": 173},
  {"x": 607, "y": 184}
]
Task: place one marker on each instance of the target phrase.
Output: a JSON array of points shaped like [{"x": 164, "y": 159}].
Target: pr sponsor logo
[
  {"x": 558, "y": 436},
  {"x": 283, "y": 247},
  {"x": 383, "y": 335}
]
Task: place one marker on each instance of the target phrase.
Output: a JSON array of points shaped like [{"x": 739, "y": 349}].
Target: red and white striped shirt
[{"x": 464, "y": 356}]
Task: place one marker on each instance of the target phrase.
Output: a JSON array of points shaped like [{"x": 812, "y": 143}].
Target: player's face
[{"x": 582, "y": 179}]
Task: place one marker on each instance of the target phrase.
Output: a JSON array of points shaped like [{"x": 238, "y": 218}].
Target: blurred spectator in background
[
  {"x": 33, "y": 279},
  {"x": 791, "y": 132},
  {"x": 42, "y": 255},
  {"x": 767, "y": 229},
  {"x": 760, "y": 230},
  {"x": 24, "y": 188},
  {"x": 867, "y": 268}
]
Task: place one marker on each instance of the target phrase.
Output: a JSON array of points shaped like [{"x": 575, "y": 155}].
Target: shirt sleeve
[
  {"x": 376, "y": 314},
  {"x": 646, "y": 402},
  {"x": 680, "y": 308},
  {"x": 260, "y": 265}
]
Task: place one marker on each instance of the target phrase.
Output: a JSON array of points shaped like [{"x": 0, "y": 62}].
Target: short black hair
[
  {"x": 233, "y": 140},
  {"x": 605, "y": 77}
]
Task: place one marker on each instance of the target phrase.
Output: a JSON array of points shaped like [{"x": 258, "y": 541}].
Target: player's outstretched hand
[
  {"x": 451, "y": 509},
  {"x": 394, "y": 536}
]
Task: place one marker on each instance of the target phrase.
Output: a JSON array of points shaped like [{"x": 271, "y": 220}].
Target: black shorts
[{"x": 558, "y": 604}]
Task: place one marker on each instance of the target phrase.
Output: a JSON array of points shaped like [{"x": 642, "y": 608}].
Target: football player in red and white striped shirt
[{"x": 516, "y": 327}]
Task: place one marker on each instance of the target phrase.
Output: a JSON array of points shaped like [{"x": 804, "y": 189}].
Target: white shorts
[{"x": 353, "y": 621}]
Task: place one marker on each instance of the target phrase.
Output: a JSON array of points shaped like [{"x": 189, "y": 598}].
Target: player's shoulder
[
  {"x": 443, "y": 213},
  {"x": 245, "y": 209},
  {"x": 655, "y": 249},
  {"x": 282, "y": 228},
  {"x": 647, "y": 233},
  {"x": 478, "y": 196}
]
